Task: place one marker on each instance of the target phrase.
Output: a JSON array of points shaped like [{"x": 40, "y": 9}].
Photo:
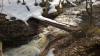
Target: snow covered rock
[{"x": 20, "y": 11}]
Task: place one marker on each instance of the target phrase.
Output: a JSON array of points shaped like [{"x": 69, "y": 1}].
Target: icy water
[{"x": 33, "y": 48}]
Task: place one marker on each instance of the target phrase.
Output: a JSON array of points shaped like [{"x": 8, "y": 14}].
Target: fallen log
[
  {"x": 73, "y": 4},
  {"x": 54, "y": 23}
]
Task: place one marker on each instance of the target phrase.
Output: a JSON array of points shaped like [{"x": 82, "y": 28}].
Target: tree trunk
[{"x": 1, "y": 54}]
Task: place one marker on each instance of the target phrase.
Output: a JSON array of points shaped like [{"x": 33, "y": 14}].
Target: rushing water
[{"x": 33, "y": 48}]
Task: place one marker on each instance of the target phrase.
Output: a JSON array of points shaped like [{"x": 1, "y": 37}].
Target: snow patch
[
  {"x": 76, "y": 12},
  {"x": 50, "y": 53},
  {"x": 20, "y": 11},
  {"x": 52, "y": 10},
  {"x": 96, "y": 3}
]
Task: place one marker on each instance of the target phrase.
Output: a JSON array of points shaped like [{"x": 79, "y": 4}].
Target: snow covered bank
[
  {"x": 23, "y": 12},
  {"x": 20, "y": 11},
  {"x": 14, "y": 9}
]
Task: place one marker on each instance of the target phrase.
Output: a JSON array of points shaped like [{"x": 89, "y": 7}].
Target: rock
[{"x": 15, "y": 33}]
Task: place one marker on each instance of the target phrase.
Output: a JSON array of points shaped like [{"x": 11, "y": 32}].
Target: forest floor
[{"x": 77, "y": 43}]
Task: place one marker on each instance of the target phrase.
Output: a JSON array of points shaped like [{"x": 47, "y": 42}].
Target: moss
[{"x": 97, "y": 31}]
